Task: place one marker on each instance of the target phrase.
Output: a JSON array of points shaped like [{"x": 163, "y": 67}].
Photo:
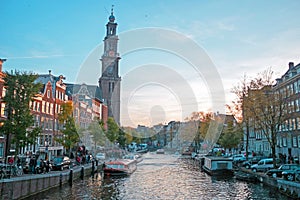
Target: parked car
[
  {"x": 264, "y": 165},
  {"x": 278, "y": 172},
  {"x": 100, "y": 156},
  {"x": 60, "y": 163},
  {"x": 238, "y": 158},
  {"x": 291, "y": 175},
  {"x": 247, "y": 164}
]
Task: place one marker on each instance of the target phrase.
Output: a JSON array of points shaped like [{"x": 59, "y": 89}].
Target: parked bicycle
[{"x": 7, "y": 171}]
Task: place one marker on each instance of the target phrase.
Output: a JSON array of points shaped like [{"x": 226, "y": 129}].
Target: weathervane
[{"x": 112, "y": 9}]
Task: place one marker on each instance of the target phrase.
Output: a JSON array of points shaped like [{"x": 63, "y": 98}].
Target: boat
[
  {"x": 119, "y": 167},
  {"x": 243, "y": 176},
  {"x": 142, "y": 150},
  {"x": 136, "y": 157},
  {"x": 160, "y": 151},
  {"x": 218, "y": 166}
]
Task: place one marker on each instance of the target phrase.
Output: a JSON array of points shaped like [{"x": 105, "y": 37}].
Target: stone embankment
[
  {"x": 26, "y": 186},
  {"x": 289, "y": 188}
]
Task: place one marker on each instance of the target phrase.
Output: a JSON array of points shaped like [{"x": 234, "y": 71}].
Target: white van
[{"x": 263, "y": 165}]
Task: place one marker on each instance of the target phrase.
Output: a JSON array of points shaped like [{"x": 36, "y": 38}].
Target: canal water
[{"x": 162, "y": 177}]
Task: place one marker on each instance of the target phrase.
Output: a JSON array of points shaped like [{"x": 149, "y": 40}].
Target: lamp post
[{"x": 46, "y": 149}]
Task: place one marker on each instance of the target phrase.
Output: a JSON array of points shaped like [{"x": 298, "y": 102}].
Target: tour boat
[
  {"x": 218, "y": 166},
  {"x": 119, "y": 167}
]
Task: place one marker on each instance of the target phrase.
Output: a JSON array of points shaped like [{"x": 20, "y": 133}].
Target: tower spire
[
  {"x": 112, "y": 17},
  {"x": 112, "y": 10}
]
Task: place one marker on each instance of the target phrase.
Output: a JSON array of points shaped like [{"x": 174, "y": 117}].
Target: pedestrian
[
  {"x": 32, "y": 164},
  {"x": 284, "y": 158},
  {"x": 47, "y": 166},
  {"x": 43, "y": 166}
]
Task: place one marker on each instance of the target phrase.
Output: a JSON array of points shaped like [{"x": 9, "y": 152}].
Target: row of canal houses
[
  {"x": 87, "y": 105},
  {"x": 288, "y": 137}
]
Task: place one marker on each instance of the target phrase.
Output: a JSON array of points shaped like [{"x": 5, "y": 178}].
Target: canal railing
[{"x": 26, "y": 186}]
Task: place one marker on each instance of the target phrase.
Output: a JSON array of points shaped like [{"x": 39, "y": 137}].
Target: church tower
[{"x": 110, "y": 81}]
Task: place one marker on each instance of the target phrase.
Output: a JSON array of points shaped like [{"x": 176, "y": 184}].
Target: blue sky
[{"x": 238, "y": 36}]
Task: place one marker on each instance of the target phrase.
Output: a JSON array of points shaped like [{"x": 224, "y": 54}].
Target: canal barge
[
  {"x": 215, "y": 166},
  {"x": 119, "y": 167}
]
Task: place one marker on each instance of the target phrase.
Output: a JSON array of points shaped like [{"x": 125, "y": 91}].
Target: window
[
  {"x": 293, "y": 124},
  {"x": 1, "y": 150},
  {"x": 295, "y": 143},
  {"x": 284, "y": 142},
  {"x": 292, "y": 108},
  {"x": 297, "y": 105},
  {"x": 111, "y": 86},
  {"x": 48, "y": 93},
  {"x": 296, "y": 87},
  {"x": 292, "y": 89},
  {"x": 299, "y": 141}
]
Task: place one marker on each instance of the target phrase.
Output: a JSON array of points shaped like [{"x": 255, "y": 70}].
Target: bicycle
[
  {"x": 3, "y": 173},
  {"x": 17, "y": 170}
]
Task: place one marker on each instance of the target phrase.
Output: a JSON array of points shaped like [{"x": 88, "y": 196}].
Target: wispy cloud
[{"x": 42, "y": 56}]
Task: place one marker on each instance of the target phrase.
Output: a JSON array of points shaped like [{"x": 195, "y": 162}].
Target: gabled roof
[
  {"x": 45, "y": 78},
  {"x": 91, "y": 91}
]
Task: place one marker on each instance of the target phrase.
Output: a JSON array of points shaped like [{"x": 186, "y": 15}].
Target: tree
[
  {"x": 231, "y": 136},
  {"x": 112, "y": 132},
  {"x": 240, "y": 106},
  {"x": 121, "y": 138},
  {"x": 264, "y": 108},
  {"x": 70, "y": 136},
  {"x": 96, "y": 128},
  {"x": 20, "y": 91}
]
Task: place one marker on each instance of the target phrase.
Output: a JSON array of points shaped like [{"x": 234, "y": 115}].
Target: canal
[{"x": 162, "y": 176}]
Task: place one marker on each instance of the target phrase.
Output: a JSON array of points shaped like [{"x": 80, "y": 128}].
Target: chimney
[
  {"x": 49, "y": 71},
  {"x": 291, "y": 65}
]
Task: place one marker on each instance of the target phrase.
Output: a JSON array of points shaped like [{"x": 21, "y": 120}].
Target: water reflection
[{"x": 162, "y": 177}]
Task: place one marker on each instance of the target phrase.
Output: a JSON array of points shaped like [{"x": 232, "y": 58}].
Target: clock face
[
  {"x": 111, "y": 53},
  {"x": 110, "y": 70}
]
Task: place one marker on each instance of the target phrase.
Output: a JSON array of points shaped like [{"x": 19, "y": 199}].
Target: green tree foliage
[
  {"x": 231, "y": 136},
  {"x": 20, "y": 89},
  {"x": 112, "y": 132},
  {"x": 96, "y": 128},
  {"x": 121, "y": 138},
  {"x": 70, "y": 136}
]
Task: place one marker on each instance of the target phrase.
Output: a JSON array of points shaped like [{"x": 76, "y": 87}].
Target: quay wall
[
  {"x": 25, "y": 186},
  {"x": 289, "y": 188}
]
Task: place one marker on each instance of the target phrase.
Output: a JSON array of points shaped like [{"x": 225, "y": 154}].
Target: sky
[{"x": 176, "y": 56}]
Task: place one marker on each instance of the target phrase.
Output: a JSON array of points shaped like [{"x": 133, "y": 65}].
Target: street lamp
[{"x": 46, "y": 149}]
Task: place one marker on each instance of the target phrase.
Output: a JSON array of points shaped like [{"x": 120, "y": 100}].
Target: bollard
[
  {"x": 82, "y": 173},
  {"x": 71, "y": 177},
  {"x": 60, "y": 179}
]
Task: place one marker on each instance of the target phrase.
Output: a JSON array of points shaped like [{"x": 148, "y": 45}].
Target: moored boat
[
  {"x": 135, "y": 157},
  {"x": 218, "y": 166},
  {"x": 119, "y": 167},
  {"x": 243, "y": 176}
]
